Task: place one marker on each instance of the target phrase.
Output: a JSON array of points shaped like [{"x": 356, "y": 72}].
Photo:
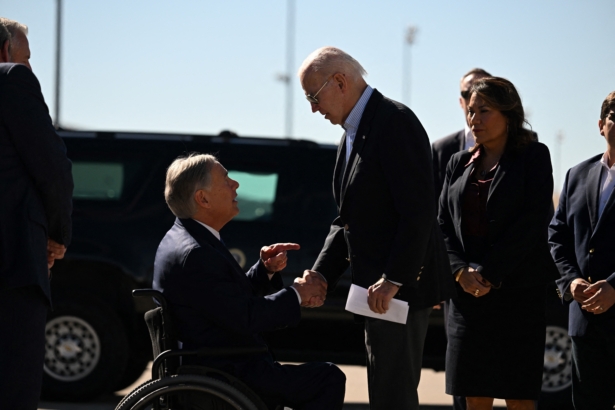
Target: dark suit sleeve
[
  {"x": 456, "y": 254},
  {"x": 405, "y": 157},
  {"x": 561, "y": 239},
  {"x": 529, "y": 228},
  {"x": 42, "y": 151},
  {"x": 332, "y": 261},
  {"x": 261, "y": 283},
  {"x": 211, "y": 289}
]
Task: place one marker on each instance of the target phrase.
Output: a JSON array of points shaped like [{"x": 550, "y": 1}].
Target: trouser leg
[
  {"x": 309, "y": 386},
  {"x": 593, "y": 371},
  {"x": 459, "y": 402},
  {"x": 23, "y": 312},
  {"x": 395, "y": 356}
]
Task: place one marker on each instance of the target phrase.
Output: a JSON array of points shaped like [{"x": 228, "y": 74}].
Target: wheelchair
[{"x": 174, "y": 386}]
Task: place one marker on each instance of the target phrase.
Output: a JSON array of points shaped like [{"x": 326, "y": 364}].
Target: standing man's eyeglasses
[
  {"x": 312, "y": 98},
  {"x": 466, "y": 94}
]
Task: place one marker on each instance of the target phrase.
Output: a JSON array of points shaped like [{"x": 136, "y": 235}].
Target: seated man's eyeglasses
[{"x": 312, "y": 98}]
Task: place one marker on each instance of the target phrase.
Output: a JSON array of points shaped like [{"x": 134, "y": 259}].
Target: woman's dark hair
[{"x": 500, "y": 94}]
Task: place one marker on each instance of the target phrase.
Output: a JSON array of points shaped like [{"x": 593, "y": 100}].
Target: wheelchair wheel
[{"x": 186, "y": 392}]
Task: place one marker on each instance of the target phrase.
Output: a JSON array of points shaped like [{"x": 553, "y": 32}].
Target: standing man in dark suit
[
  {"x": 215, "y": 304},
  {"x": 443, "y": 149},
  {"x": 36, "y": 188},
  {"x": 386, "y": 230},
  {"x": 582, "y": 245}
]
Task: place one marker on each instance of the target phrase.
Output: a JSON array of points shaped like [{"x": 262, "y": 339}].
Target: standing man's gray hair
[
  {"x": 8, "y": 30},
  {"x": 185, "y": 176},
  {"x": 329, "y": 60}
]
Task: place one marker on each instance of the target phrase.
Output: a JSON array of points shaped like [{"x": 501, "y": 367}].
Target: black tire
[
  {"x": 86, "y": 351},
  {"x": 173, "y": 386},
  {"x": 134, "y": 369},
  {"x": 557, "y": 375}
]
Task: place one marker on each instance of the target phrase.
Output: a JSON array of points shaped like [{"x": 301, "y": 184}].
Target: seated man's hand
[
  {"x": 312, "y": 288},
  {"x": 54, "y": 251},
  {"x": 380, "y": 294},
  {"x": 274, "y": 256}
]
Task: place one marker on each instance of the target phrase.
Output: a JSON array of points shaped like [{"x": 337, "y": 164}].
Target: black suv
[{"x": 97, "y": 341}]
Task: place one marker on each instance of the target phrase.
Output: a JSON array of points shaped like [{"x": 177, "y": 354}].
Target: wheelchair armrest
[
  {"x": 204, "y": 352},
  {"x": 156, "y": 295}
]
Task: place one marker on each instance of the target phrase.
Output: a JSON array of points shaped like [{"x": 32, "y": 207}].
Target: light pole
[
  {"x": 287, "y": 77},
  {"x": 409, "y": 38},
  {"x": 559, "y": 141},
  {"x": 58, "y": 60}
]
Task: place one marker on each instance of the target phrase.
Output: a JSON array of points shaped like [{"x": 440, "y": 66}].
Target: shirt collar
[
  {"x": 469, "y": 138},
  {"x": 474, "y": 157},
  {"x": 210, "y": 229},
  {"x": 605, "y": 162},
  {"x": 354, "y": 118}
]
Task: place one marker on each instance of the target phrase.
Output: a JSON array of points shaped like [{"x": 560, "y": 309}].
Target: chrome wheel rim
[
  {"x": 557, "y": 371},
  {"x": 72, "y": 348}
]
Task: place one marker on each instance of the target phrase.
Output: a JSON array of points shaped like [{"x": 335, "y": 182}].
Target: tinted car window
[
  {"x": 98, "y": 180},
  {"x": 256, "y": 195}
]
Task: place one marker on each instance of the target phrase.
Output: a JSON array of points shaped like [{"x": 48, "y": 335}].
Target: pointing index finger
[{"x": 279, "y": 247}]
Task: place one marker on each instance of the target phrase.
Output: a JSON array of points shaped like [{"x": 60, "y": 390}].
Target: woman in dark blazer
[{"x": 494, "y": 213}]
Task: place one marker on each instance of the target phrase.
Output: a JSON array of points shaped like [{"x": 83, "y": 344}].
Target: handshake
[{"x": 312, "y": 288}]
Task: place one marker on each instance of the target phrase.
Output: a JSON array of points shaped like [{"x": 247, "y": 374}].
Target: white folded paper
[{"x": 357, "y": 303}]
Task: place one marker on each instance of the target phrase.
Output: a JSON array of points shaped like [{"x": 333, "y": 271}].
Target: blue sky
[{"x": 199, "y": 66}]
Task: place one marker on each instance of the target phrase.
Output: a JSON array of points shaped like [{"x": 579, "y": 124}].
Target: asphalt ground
[{"x": 431, "y": 393}]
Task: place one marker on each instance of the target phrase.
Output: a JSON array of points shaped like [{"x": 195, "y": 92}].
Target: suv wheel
[
  {"x": 557, "y": 373},
  {"x": 85, "y": 352}
]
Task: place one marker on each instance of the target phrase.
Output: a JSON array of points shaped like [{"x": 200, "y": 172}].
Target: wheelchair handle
[{"x": 156, "y": 295}]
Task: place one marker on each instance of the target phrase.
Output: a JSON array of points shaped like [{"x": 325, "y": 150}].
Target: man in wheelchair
[{"x": 215, "y": 304}]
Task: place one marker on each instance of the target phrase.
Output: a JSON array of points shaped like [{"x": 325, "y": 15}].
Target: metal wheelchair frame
[{"x": 173, "y": 386}]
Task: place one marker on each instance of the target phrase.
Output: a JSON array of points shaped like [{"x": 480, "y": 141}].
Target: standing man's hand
[
  {"x": 472, "y": 282},
  {"x": 54, "y": 251},
  {"x": 274, "y": 256},
  {"x": 380, "y": 294},
  {"x": 312, "y": 288},
  {"x": 577, "y": 289},
  {"x": 603, "y": 297}
]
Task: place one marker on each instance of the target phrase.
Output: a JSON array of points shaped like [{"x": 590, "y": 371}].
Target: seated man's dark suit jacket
[
  {"x": 519, "y": 254},
  {"x": 387, "y": 216},
  {"x": 441, "y": 151},
  {"x": 213, "y": 302},
  {"x": 36, "y": 183},
  {"x": 582, "y": 244}
]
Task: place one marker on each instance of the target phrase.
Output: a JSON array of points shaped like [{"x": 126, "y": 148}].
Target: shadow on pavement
[
  {"x": 363, "y": 406},
  {"x": 109, "y": 403}
]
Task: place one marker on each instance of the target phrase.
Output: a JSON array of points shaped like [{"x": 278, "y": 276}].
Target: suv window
[
  {"x": 98, "y": 180},
  {"x": 256, "y": 195}
]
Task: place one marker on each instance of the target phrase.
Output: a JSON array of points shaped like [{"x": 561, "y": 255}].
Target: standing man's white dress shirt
[
  {"x": 351, "y": 125},
  {"x": 607, "y": 182},
  {"x": 469, "y": 138}
]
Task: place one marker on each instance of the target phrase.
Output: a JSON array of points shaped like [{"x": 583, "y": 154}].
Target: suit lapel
[
  {"x": 338, "y": 173},
  {"x": 500, "y": 173},
  {"x": 203, "y": 237},
  {"x": 461, "y": 136},
  {"x": 593, "y": 193},
  {"x": 461, "y": 187},
  {"x": 359, "y": 141}
]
